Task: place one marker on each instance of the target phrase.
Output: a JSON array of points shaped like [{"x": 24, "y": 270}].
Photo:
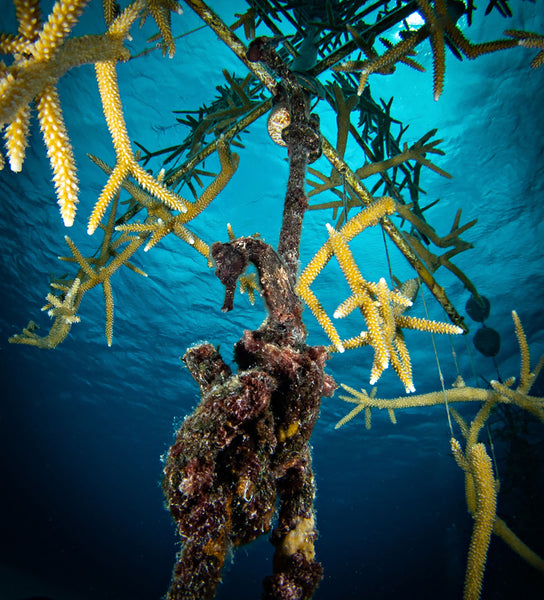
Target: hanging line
[
  {"x": 454, "y": 355},
  {"x": 432, "y": 335},
  {"x": 388, "y": 259},
  {"x": 437, "y": 361},
  {"x": 497, "y": 369},
  {"x": 472, "y": 363},
  {"x": 492, "y": 446},
  {"x": 344, "y": 198}
]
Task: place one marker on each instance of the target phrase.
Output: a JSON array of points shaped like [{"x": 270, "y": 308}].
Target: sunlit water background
[{"x": 83, "y": 427}]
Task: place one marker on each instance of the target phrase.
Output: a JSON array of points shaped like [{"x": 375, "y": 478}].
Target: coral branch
[{"x": 395, "y": 235}]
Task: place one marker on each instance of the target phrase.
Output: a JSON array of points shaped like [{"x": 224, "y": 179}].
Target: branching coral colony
[{"x": 240, "y": 465}]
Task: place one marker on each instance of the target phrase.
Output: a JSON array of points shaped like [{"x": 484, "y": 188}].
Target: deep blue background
[{"x": 83, "y": 427}]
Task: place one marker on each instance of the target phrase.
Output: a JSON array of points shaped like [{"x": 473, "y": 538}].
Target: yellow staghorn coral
[
  {"x": 16, "y": 135},
  {"x": 500, "y": 528},
  {"x": 59, "y": 152},
  {"x": 93, "y": 271},
  {"x": 161, "y": 11},
  {"x": 480, "y": 485},
  {"x": 161, "y": 226},
  {"x": 157, "y": 211},
  {"x": 360, "y": 407},
  {"x": 407, "y": 322},
  {"x": 484, "y": 517},
  {"x": 365, "y": 198},
  {"x": 526, "y": 378},
  {"x": 100, "y": 273},
  {"x": 499, "y": 393},
  {"x": 533, "y": 404},
  {"x": 376, "y": 334},
  {"x": 41, "y": 56},
  {"x": 126, "y": 162},
  {"x": 63, "y": 17},
  {"x": 483, "y": 505},
  {"x": 380, "y": 307},
  {"x": 366, "y": 218},
  {"x": 63, "y": 309},
  {"x": 462, "y": 394}
]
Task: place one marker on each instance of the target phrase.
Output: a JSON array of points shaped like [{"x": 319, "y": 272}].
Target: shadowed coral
[
  {"x": 528, "y": 39},
  {"x": 478, "y": 464},
  {"x": 480, "y": 485},
  {"x": 416, "y": 152},
  {"x": 440, "y": 25},
  {"x": 63, "y": 308},
  {"x": 93, "y": 271}
]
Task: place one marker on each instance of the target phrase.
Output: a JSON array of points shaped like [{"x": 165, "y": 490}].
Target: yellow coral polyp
[
  {"x": 284, "y": 433},
  {"x": 63, "y": 17}
]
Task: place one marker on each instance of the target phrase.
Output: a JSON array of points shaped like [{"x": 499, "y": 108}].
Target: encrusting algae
[{"x": 240, "y": 465}]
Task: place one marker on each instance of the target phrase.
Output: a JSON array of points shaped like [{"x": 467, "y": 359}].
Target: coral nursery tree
[{"x": 240, "y": 465}]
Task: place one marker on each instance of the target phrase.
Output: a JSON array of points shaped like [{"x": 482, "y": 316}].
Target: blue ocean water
[{"x": 83, "y": 427}]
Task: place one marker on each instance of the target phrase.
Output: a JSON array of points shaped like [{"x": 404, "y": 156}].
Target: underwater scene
[{"x": 271, "y": 314}]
